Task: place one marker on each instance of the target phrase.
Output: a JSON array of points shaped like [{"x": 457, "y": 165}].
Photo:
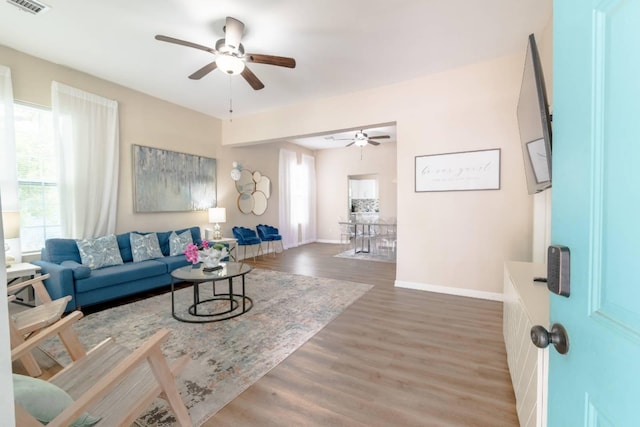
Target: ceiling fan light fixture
[
  {"x": 361, "y": 142},
  {"x": 230, "y": 64}
]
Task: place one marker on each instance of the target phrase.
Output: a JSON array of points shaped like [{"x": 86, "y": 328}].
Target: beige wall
[
  {"x": 332, "y": 168},
  {"x": 457, "y": 240},
  {"x": 144, "y": 120},
  {"x": 263, "y": 158}
]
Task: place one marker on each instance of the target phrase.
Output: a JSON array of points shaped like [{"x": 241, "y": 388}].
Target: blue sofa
[{"x": 61, "y": 260}]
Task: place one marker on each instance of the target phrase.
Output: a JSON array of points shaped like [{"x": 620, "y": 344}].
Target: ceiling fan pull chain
[{"x": 230, "y": 101}]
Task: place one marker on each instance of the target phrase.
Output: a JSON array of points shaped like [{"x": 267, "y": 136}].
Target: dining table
[{"x": 365, "y": 231}]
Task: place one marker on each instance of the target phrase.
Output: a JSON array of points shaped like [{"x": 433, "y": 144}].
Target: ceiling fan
[
  {"x": 230, "y": 55},
  {"x": 360, "y": 139}
]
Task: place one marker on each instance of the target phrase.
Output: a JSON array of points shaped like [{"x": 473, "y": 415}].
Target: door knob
[{"x": 558, "y": 337}]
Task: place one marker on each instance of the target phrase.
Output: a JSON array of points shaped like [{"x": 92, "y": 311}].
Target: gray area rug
[
  {"x": 381, "y": 257},
  {"x": 228, "y": 356}
]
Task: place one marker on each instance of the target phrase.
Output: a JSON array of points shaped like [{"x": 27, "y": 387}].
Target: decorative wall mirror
[{"x": 254, "y": 189}]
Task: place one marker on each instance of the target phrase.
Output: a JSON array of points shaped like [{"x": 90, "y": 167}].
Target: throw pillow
[
  {"x": 45, "y": 401},
  {"x": 145, "y": 246},
  {"x": 99, "y": 252},
  {"x": 177, "y": 242}
]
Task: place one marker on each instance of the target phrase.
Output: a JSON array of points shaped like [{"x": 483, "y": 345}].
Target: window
[{"x": 38, "y": 191}]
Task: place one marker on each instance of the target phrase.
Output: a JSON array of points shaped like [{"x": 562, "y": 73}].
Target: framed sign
[
  {"x": 168, "y": 181},
  {"x": 462, "y": 171}
]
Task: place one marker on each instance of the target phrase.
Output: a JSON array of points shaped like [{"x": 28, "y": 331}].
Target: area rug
[
  {"x": 381, "y": 257},
  {"x": 228, "y": 356}
]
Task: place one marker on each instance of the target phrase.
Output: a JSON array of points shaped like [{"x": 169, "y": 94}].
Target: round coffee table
[{"x": 238, "y": 303}]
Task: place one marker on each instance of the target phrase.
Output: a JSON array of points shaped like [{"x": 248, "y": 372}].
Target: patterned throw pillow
[
  {"x": 144, "y": 247},
  {"x": 99, "y": 252},
  {"x": 177, "y": 242}
]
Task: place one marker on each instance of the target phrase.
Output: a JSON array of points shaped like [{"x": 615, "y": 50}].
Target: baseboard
[
  {"x": 335, "y": 242},
  {"x": 471, "y": 293}
]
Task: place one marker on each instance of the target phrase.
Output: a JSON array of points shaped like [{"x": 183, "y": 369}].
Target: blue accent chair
[
  {"x": 247, "y": 237},
  {"x": 271, "y": 235}
]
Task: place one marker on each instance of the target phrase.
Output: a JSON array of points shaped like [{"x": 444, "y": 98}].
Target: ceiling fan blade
[
  {"x": 185, "y": 43},
  {"x": 203, "y": 71},
  {"x": 350, "y": 144},
  {"x": 252, "y": 79},
  {"x": 380, "y": 137},
  {"x": 373, "y": 142},
  {"x": 280, "y": 61},
  {"x": 233, "y": 30}
]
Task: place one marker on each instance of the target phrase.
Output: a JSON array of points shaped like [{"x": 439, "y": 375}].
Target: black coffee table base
[{"x": 227, "y": 305}]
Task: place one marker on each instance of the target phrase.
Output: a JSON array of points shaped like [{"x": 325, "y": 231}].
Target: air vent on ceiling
[{"x": 30, "y": 6}]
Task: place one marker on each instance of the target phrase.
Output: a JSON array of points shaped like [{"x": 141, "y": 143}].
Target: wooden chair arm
[
  {"x": 105, "y": 384},
  {"x": 10, "y": 298},
  {"x": 38, "y": 287},
  {"x": 60, "y": 327},
  {"x": 25, "y": 419}
]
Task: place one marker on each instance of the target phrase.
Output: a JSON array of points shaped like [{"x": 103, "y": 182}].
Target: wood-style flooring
[{"x": 395, "y": 357}]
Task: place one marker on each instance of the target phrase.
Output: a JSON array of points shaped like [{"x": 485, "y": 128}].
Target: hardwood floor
[{"x": 395, "y": 357}]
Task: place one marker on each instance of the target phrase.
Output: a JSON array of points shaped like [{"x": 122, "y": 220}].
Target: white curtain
[
  {"x": 287, "y": 224},
  {"x": 8, "y": 162},
  {"x": 86, "y": 130},
  {"x": 307, "y": 207}
]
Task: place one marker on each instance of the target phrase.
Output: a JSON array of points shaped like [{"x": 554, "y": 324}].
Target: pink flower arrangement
[{"x": 191, "y": 253}]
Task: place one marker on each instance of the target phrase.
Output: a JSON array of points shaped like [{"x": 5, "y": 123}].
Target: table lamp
[
  {"x": 11, "y": 228},
  {"x": 216, "y": 216}
]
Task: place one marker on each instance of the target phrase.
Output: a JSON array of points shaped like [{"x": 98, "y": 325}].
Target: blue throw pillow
[
  {"x": 99, "y": 252},
  {"x": 145, "y": 247},
  {"x": 178, "y": 242}
]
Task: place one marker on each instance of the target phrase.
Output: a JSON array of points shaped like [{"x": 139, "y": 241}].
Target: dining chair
[
  {"x": 247, "y": 237},
  {"x": 271, "y": 235}
]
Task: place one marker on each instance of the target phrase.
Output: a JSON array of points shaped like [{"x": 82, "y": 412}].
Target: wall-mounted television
[{"x": 534, "y": 122}]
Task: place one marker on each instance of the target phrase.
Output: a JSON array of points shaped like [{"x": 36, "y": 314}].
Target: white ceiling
[{"x": 340, "y": 46}]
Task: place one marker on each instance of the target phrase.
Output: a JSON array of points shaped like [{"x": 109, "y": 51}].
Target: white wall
[
  {"x": 332, "y": 168},
  {"x": 458, "y": 240}
]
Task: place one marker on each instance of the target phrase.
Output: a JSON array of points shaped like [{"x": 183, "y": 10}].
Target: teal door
[{"x": 596, "y": 212}]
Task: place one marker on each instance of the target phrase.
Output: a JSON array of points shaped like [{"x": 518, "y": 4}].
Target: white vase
[{"x": 211, "y": 257}]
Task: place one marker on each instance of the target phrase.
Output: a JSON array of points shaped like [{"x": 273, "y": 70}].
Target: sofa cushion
[
  {"x": 124, "y": 243},
  {"x": 174, "y": 262},
  {"x": 178, "y": 242},
  {"x": 99, "y": 251},
  {"x": 144, "y": 247},
  {"x": 58, "y": 250},
  {"x": 123, "y": 273}
]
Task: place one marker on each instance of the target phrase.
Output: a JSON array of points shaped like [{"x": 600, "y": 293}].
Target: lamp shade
[
  {"x": 217, "y": 215},
  {"x": 11, "y": 224}
]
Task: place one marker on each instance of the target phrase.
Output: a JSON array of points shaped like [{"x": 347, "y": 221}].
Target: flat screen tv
[{"x": 534, "y": 122}]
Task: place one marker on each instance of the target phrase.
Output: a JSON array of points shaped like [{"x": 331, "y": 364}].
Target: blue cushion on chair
[
  {"x": 268, "y": 233},
  {"x": 245, "y": 236}
]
